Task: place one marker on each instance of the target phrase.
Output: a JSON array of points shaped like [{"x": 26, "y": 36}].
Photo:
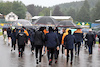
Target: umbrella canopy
[
  {"x": 22, "y": 22},
  {"x": 45, "y": 20},
  {"x": 66, "y": 23},
  {"x": 85, "y": 30}
]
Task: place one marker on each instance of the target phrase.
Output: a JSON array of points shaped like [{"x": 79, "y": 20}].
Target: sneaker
[
  {"x": 75, "y": 53},
  {"x": 55, "y": 61},
  {"x": 19, "y": 55},
  {"x": 71, "y": 62},
  {"x": 37, "y": 62},
  {"x": 8, "y": 44},
  {"x": 50, "y": 62},
  {"x": 32, "y": 52}
]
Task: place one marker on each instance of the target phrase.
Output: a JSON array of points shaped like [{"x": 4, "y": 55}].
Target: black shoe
[
  {"x": 71, "y": 62},
  {"x": 37, "y": 62},
  {"x": 19, "y": 55},
  {"x": 55, "y": 61}
]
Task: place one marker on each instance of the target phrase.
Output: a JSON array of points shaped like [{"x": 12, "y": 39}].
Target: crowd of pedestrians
[{"x": 50, "y": 41}]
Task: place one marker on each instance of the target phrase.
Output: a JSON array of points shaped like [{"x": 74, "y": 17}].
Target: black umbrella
[
  {"x": 45, "y": 20},
  {"x": 22, "y": 22},
  {"x": 66, "y": 23}
]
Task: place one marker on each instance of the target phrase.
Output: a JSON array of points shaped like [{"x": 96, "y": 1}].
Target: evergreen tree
[
  {"x": 31, "y": 9},
  {"x": 84, "y": 13},
  {"x": 57, "y": 11},
  {"x": 97, "y": 10},
  {"x": 71, "y": 12}
]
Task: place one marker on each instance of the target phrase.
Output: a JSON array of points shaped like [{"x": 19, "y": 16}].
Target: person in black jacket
[
  {"x": 90, "y": 40},
  {"x": 51, "y": 42},
  {"x": 31, "y": 36},
  {"x": 69, "y": 41},
  {"x": 78, "y": 39},
  {"x": 21, "y": 37},
  {"x": 13, "y": 38},
  {"x": 38, "y": 43},
  {"x": 59, "y": 38}
]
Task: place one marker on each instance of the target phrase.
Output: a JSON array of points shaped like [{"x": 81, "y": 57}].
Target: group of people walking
[{"x": 51, "y": 41}]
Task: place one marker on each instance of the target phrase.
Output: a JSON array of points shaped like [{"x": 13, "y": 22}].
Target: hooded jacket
[
  {"x": 78, "y": 35},
  {"x": 66, "y": 33},
  {"x": 39, "y": 38},
  {"x": 52, "y": 40}
]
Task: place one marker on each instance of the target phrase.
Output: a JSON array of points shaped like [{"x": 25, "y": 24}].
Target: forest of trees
[{"x": 83, "y": 11}]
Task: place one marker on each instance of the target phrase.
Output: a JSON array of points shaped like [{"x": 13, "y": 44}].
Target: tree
[
  {"x": 57, "y": 11},
  {"x": 97, "y": 10},
  {"x": 84, "y": 13},
  {"x": 45, "y": 12},
  {"x": 19, "y": 9},
  {"x": 31, "y": 9},
  {"x": 71, "y": 12},
  {"x": 16, "y": 6}
]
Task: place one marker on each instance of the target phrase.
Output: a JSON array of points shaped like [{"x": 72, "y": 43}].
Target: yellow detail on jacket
[{"x": 66, "y": 33}]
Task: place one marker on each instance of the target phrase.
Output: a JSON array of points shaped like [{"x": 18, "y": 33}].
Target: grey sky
[{"x": 44, "y": 2}]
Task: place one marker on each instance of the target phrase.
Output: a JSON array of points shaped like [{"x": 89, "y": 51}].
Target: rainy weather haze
[{"x": 50, "y": 33}]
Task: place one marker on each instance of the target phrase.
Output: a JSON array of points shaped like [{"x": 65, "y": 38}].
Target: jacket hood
[
  {"x": 67, "y": 30},
  {"x": 78, "y": 31}
]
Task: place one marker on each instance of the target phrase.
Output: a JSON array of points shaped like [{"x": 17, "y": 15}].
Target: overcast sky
[{"x": 46, "y": 3}]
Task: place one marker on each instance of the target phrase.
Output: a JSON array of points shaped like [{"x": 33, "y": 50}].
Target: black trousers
[
  {"x": 14, "y": 44},
  {"x": 79, "y": 44},
  {"x": 50, "y": 53},
  {"x": 20, "y": 47},
  {"x": 32, "y": 45},
  {"x": 63, "y": 49},
  {"x": 56, "y": 54},
  {"x": 38, "y": 48},
  {"x": 70, "y": 53}
]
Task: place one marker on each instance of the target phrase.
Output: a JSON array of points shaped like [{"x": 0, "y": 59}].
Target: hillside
[{"x": 77, "y": 4}]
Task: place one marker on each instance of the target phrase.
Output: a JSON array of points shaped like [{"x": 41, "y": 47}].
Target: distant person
[
  {"x": 8, "y": 33},
  {"x": 13, "y": 38},
  {"x": 99, "y": 38},
  {"x": 21, "y": 38},
  {"x": 59, "y": 38},
  {"x": 44, "y": 49},
  {"x": 63, "y": 45},
  {"x": 63, "y": 31},
  {"x": 90, "y": 40},
  {"x": 52, "y": 43},
  {"x": 31, "y": 36},
  {"x": 5, "y": 35},
  {"x": 69, "y": 41},
  {"x": 38, "y": 43},
  {"x": 78, "y": 38}
]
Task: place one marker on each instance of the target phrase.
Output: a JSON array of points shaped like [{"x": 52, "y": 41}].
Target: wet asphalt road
[{"x": 11, "y": 59}]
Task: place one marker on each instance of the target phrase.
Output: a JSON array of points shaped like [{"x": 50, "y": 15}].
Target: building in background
[
  {"x": 28, "y": 16},
  {"x": 11, "y": 17}
]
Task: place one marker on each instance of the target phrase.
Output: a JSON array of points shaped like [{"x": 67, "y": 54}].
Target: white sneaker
[{"x": 14, "y": 51}]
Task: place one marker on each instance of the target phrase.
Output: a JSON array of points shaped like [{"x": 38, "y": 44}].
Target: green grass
[
  {"x": 0, "y": 33},
  {"x": 97, "y": 42}
]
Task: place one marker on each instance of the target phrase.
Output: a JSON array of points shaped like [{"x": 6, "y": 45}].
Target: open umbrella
[
  {"x": 66, "y": 23},
  {"x": 45, "y": 20},
  {"x": 22, "y": 22}
]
